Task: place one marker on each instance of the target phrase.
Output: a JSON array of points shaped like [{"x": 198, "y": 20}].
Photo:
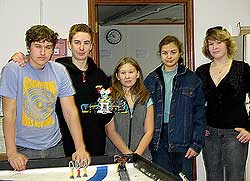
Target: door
[{"x": 188, "y": 23}]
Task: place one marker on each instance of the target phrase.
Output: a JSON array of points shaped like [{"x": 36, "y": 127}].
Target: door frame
[{"x": 188, "y": 24}]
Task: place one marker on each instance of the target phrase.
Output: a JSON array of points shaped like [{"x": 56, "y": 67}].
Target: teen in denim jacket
[{"x": 179, "y": 110}]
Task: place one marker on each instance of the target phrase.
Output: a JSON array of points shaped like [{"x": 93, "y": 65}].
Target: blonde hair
[
  {"x": 80, "y": 28},
  {"x": 221, "y": 34}
]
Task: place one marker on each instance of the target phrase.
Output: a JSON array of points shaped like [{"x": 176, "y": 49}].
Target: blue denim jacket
[{"x": 187, "y": 110}]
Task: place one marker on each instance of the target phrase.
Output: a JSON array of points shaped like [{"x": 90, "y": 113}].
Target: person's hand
[
  {"x": 81, "y": 155},
  {"x": 18, "y": 161},
  {"x": 243, "y": 136},
  {"x": 19, "y": 58},
  {"x": 191, "y": 153},
  {"x": 130, "y": 152},
  {"x": 136, "y": 151}
]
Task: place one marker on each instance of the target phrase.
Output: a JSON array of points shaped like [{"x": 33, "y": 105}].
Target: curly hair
[{"x": 39, "y": 33}]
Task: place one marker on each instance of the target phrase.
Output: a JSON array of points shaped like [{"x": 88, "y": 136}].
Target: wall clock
[{"x": 113, "y": 36}]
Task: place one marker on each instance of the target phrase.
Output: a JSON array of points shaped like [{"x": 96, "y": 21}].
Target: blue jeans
[
  {"x": 53, "y": 152},
  {"x": 174, "y": 162},
  {"x": 224, "y": 156}
]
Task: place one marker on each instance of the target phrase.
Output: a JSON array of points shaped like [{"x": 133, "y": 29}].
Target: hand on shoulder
[{"x": 19, "y": 58}]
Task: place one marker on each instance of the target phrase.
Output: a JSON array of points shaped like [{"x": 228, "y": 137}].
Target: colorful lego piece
[
  {"x": 105, "y": 104},
  {"x": 71, "y": 167},
  {"x": 78, "y": 168},
  {"x": 84, "y": 172}
]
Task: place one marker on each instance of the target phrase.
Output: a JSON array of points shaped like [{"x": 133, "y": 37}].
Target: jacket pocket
[{"x": 187, "y": 92}]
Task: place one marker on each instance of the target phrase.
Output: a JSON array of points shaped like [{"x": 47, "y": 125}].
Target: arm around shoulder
[{"x": 20, "y": 58}]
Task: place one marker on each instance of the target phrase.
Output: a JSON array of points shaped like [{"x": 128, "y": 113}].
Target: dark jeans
[
  {"x": 224, "y": 156},
  {"x": 53, "y": 152},
  {"x": 174, "y": 162}
]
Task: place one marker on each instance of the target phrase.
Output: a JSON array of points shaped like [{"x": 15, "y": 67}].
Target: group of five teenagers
[
  {"x": 225, "y": 83},
  {"x": 180, "y": 107},
  {"x": 137, "y": 125},
  {"x": 179, "y": 110},
  {"x": 30, "y": 124}
]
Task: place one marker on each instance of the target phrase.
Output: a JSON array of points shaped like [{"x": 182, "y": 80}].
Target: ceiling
[{"x": 141, "y": 14}]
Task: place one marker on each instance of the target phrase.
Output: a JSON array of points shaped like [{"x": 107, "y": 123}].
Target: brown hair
[
  {"x": 80, "y": 28},
  {"x": 39, "y": 33},
  {"x": 221, "y": 34},
  {"x": 137, "y": 89},
  {"x": 172, "y": 39}
]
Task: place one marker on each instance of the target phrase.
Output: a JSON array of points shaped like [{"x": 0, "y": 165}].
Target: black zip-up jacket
[{"x": 93, "y": 125}]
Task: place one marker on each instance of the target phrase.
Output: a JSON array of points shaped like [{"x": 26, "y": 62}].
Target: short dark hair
[
  {"x": 172, "y": 39},
  {"x": 39, "y": 33}
]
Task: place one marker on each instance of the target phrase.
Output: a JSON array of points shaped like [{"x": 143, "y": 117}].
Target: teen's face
[
  {"x": 80, "y": 46},
  {"x": 218, "y": 49},
  {"x": 170, "y": 55},
  {"x": 127, "y": 75},
  {"x": 40, "y": 53}
]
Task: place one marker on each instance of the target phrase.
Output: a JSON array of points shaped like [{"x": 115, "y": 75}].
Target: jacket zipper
[
  {"x": 162, "y": 87},
  {"x": 130, "y": 123},
  {"x": 130, "y": 127}
]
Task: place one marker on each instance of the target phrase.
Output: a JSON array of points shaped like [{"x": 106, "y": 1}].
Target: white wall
[
  {"x": 62, "y": 14},
  {"x": 217, "y": 12},
  {"x": 17, "y": 16}
]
